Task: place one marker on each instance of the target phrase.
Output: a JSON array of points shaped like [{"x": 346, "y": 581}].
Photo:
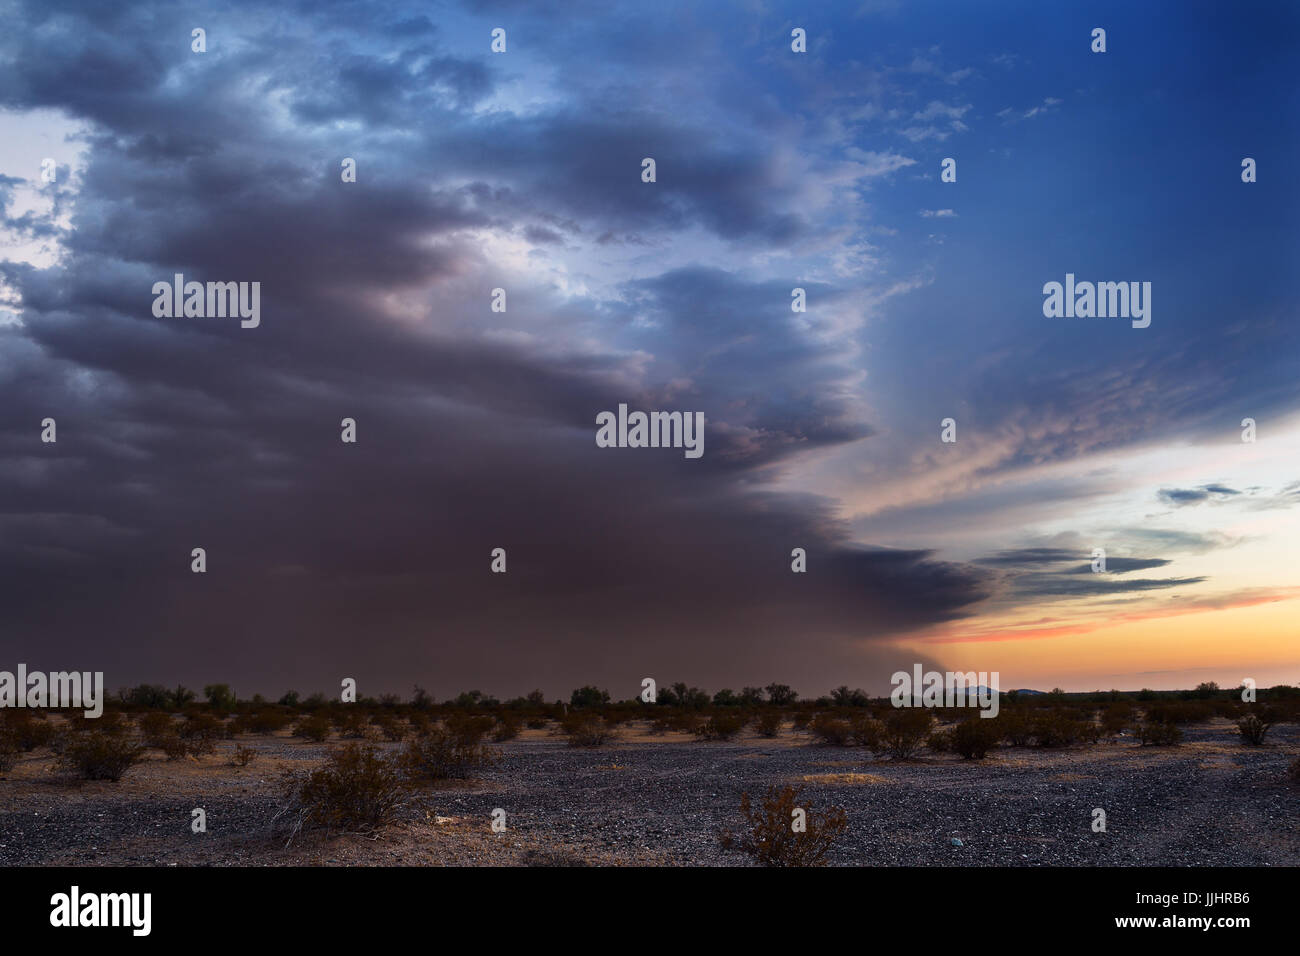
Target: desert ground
[{"x": 663, "y": 800}]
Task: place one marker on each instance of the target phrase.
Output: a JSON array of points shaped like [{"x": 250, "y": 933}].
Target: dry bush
[
  {"x": 831, "y": 731},
  {"x": 802, "y": 719},
  {"x": 265, "y": 721},
  {"x": 173, "y": 746},
  {"x": 940, "y": 741},
  {"x": 720, "y": 727},
  {"x": 973, "y": 738},
  {"x": 905, "y": 731},
  {"x": 421, "y": 723},
  {"x": 507, "y": 728},
  {"x": 100, "y": 756},
  {"x": 1159, "y": 734},
  {"x": 768, "y": 724},
  {"x": 1253, "y": 729},
  {"x": 867, "y": 732},
  {"x": 1117, "y": 718},
  {"x": 537, "y": 722},
  {"x": 1060, "y": 728},
  {"x": 352, "y": 725},
  {"x": 1179, "y": 711},
  {"x": 242, "y": 756},
  {"x": 587, "y": 730},
  {"x": 1294, "y": 771},
  {"x": 9, "y": 750},
  {"x": 390, "y": 727},
  {"x": 470, "y": 728},
  {"x": 1016, "y": 728},
  {"x": 313, "y": 727},
  {"x": 201, "y": 732},
  {"x": 155, "y": 726},
  {"x": 26, "y": 731},
  {"x": 441, "y": 754},
  {"x": 358, "y": 789},
  {"x": 769, "y": 835}
]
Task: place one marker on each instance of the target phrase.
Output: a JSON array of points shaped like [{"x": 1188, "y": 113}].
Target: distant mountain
[{"x": 1027, "y": 692}]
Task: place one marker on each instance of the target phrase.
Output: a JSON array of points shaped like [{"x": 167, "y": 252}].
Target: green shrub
[{"x": 769, "y": 835}]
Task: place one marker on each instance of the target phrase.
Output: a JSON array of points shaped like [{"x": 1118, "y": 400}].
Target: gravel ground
[{"x": 663, "y": 800}]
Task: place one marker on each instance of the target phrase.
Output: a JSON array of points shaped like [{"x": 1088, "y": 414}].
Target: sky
[{"x": 775, "y": 170}]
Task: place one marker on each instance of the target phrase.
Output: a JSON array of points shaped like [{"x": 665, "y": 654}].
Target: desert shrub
[
  {"x": 720, "y": 727},
  {"x": 265, "y": 721},
  {"x": 172, "y": 746},
  {"x": 905, "y": 731},
  {"x": 974, "y": 738},
  {"x": 1179, "y": 711},
  {"x": 352, "y": 725},
  {"x": 9, "y": 750},
  {"x": 769, "y": 835},
  {"x": 441, "y": 754},
  {"x": 831, "y": 731},
  {"x": 1017, "y": 730},
  {"x": 536, "y": 722},
  {"x": 1293, "y": 771},
  {"x": 154, "y": 726},
  {"x": 25, "y": 731},
  {"x": 314, "y": 727},
  {"x": 1117, "y": 717},
  {"x": 390, "y": 727},
  {"x": 358, "y": 789},
  {"x": 768, "y": 724},
  {"x": 469, "y": 729},
  {"x": 112, "y": 722},
  {"x": 1059, "y": 728},
  {"x": 587, "y": 730},
  {"x": 100, "y": 756},
  {"x": 242, "y": 756},
  {"x": 867, "y": 732},
  {"x": 1157, "y": 733},
  {"x": 201, "y": 732},
  {"x": 421, "y": 723},
  {"x": 801, "y": 719},
  {"x": 507, "y": 728},
  {"x": 1253, "y": 729},
  {"x": 940, "y": 741},
  {"x": 685, "y": 721}
]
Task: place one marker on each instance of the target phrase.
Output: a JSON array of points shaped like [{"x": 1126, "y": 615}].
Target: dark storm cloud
[
  {"x": 1028, "y": 558},
  {"x": 328, "y": 560}
]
